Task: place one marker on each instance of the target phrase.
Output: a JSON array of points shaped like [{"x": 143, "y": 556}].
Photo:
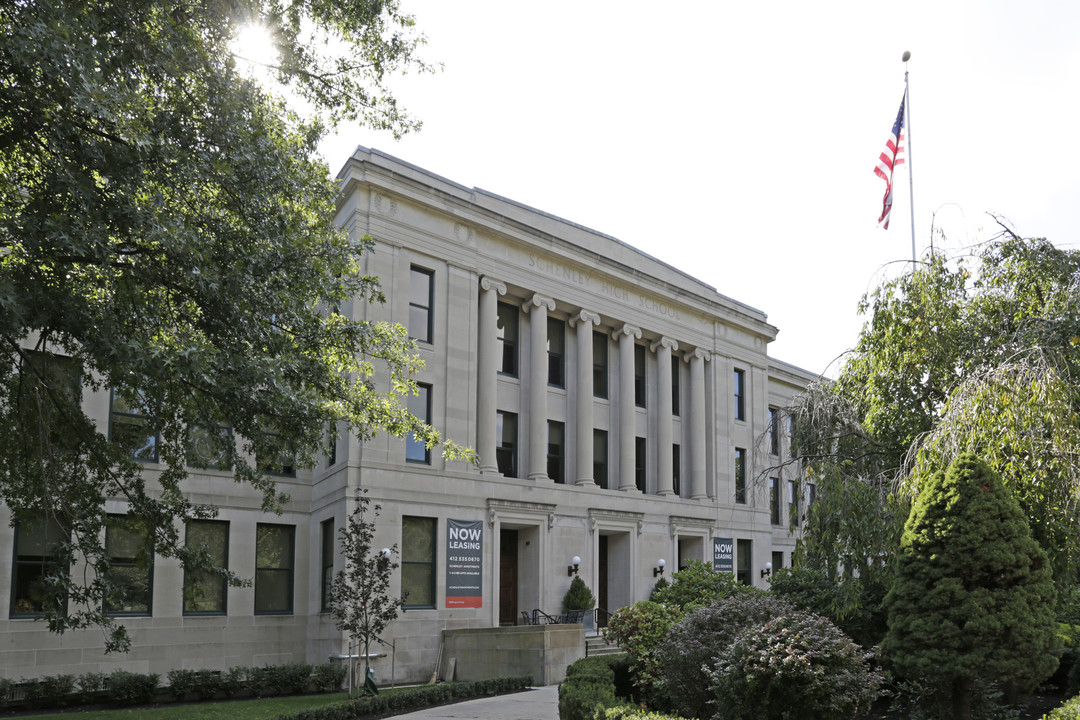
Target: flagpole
[{"x": 907, "y": 150}]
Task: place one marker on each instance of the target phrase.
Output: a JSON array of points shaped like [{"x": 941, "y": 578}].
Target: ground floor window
[
  {"x": 274, "y": 553},
  {"x": 418, "y": 561},
  {"x": 204, "y": 590},
  {"x": 37, "y": 557}
]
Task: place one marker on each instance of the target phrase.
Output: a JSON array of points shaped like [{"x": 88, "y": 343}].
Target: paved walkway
[{"x": 535, "y": 704}]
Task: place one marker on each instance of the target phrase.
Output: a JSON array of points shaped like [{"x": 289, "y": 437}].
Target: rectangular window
[
  {"x": 599, "y": 364},
  {"x": 739, "y": 384},
  {"x": 508, "y": 339},
  {"x": 209, "y": 447},
  {"x": 205, "y": 591},
  {"x": 37, "y": 559},
  {"x": 274, "y": 556},
  {"x": 506, "y": 452},
  {"x": 418, "y": 561},
  {"x": 676, "y": 385},
  {"x": 774, "y": 500},
  {"x": 777, "y": 560},
  {"x": 421, "y": 292},
  {"x": 600, "y": 458},
  {"x": 743, "y": 551},
  {"x": 420, "y": 406},
  {"x": 792, "y": 452},
  {"x": 326, "y": 529},
  {"x": 793, "y": 503},
  {"x": 676, "y": 469},
  {"x": 331, "y": 440},
  {"x": 774, "y": 431},
  {"x": 640, "y": 458},
  {"x": 556, "y": 443},
  {"x": 556, "y": 349},
  {"x": 740, "y": 476},
  {"x": 284, "y": 463},
  {"x": 129, "y": 427},
  {"x": 639, "y": 375},
  {"x": 131, "y": 566}
]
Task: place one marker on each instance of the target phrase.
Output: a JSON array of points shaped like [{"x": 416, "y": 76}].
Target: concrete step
[{"x": 596, "y": 645}]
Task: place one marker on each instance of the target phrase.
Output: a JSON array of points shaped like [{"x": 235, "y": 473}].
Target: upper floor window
[
  {"x": 740, "y": 476},
  {"x": 676, "y": 385},
  {"x": 599, "y": 364},
  {"x": 792, "y": 450},
  {"x": 283, "y": 463},
  {"x": 774, "y": 431},
  {"x": 640, "y": 463},
  {"x": 331, "y": 441},
  {"x": 506, "y": 452},
  {"x": 639, "y": 375},
  {"x": 420, "y": 406},
  {"x": 739, "y": 383},
  {"x": 676, "y": 469},
  {"x": 205, "y": 590},
  {"x": 421, "y": 294},
  {"x": 129, "y": 427},
  {"x": 131, "y": 566},
  {"x": 556, "y": 347},
  {"x": 793, "y": 503},
  {"x": 209, "y": 447},
  {"x": 326, "y": 586},
  {"x": 508, "y": 338},
  {"x": 274, "y": 561},
  {"x": 36, "y": 586},
  {"x": 556, "y": 445},
  {"x": 600, "y": 458},
  {"x": 418, "y": 561},
  {"x": 774, "y": 500}
]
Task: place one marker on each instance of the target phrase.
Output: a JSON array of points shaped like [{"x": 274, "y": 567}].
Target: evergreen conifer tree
[{"x": 974, "y": 597}]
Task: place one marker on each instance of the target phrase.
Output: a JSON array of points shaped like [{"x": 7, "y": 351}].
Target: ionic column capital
[
  {"x": 584, "y": 317},
  {"x": 665, "y": 342},
  {"x": 539, "y": 301},
  {"x": 490, "y": 283},
  {"x": 699, "y": 354},
  {"x": 629, "y": 330}
]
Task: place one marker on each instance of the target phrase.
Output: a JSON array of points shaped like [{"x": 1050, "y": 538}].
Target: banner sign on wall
[
  {"x": 464, "y": 563},
  {"x": 723, "y": 558}
]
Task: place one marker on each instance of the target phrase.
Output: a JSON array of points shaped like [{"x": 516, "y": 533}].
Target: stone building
[{"x": 623, "y": 412}]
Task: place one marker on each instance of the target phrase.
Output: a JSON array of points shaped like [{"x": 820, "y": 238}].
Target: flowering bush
[
  {"x": 638, "y": 629},
  {"x": 796, "y": 667}
]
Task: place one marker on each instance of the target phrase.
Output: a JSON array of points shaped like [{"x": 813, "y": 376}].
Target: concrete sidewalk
[{"x": 535, "y": 704}]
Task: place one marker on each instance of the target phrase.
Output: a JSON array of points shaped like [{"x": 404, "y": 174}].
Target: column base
[
  {"x": 489, "y": 470},
  {"x": 586, "y": 482},
  {"x": 541, "y": 478},
  {"x": 666, "y": 493},
  {"x": 630, "y": 490}
]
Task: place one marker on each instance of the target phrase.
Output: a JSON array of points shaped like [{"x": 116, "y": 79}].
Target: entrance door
[
  {"x": 508, "y": 581},
  {"x": 602, "y": 580}
]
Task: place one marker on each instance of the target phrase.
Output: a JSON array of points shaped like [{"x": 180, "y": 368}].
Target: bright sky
[{"x": 736, "y": 141}]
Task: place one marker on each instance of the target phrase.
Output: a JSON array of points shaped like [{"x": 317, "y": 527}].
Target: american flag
[{"x": 891, "y": 156}]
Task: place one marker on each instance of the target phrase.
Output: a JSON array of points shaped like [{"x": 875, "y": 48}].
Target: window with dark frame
[
  {"x": 556, "y": 450},
  {"x": 131, "y": 566},
  {"x": 600, "y": 364},
  {"x": 129, "y": 427},
  {"x": 793, "y": 503},
  {"x": 506, "y": 452},
  {"x": 639, "y": 375},
  {"x": 328, "y": 551},
  {"x": 774, "y": 431},
  {"x": 600, "y": 458},
  {"x": 418, "y": 544},
  {"x": 739, "y": 383},
  {"x": 420, "y": 406},
  {"x": 676, "y": 469},
  {"x": 744, "y": 560},
  {"x": 777, "y": 560},
  {"x": 811, "y": 495},
  {"x": 209, "y": 447},
  {"x": 37, "y": 558},
  {"x": 740, "y": 476},
  {"x": 205, "y": 592},
  {"x": 792, "y": 450},
  {"x": 421, "y": 294},
  {"x": 676, "y": 385},
  {"x": 283, "y": 463},
  {"x": 275, "y": 547},
  {"x": 774, "y": 500},
  {"x": 640, "y": 462},
  {"x": 556, "y": 350},
  {"x": 508, "y": 338},
  {"x": 331, "y": 440}
]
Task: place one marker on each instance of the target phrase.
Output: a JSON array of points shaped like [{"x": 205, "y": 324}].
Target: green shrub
[
  {"x": 798, "y": 662},
  {"x": 288, "y": 679},
  {"x": 90, "y": 683},
  {"x": 233, "y": 680},
  {"x": 854, "y": 604},
  {"x": 183, "y": 683},
  {"x": 697, "y": 584},
  {"x": 701, "y": 638},
  {"x": 628, "y": 712},
  {"x": 639, "y": 629},
  {"x": 50, "y": 691},
  {"x": 578, "y": 597},
  {"x": 328, "y": 677},
  {"x": 589, "y": 685},
  {"x": 128, "y": 688},
  {"x": 1069, "y": 711},
  {"x": 6, "y": 687}
]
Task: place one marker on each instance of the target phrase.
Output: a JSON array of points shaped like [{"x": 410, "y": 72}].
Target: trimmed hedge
[
  {"x": 413, "y": 699},
  {"x": 591, "y": 684}
]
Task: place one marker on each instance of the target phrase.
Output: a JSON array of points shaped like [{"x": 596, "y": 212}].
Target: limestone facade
[{"x": 610, "y": 399}]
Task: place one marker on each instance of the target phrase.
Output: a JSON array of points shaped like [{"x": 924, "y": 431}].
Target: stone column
[
  {"x": 584, "y": 322},
  {"x": 697, "y": 424},
  {"x": 663, "y": 349},
  {"x": 538, "y": 307},
  {"x": 626, "y": 336},
  {"x": 487, "y": 372}
]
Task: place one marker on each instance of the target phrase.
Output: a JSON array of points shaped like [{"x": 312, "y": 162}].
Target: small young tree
[
  {"x": 973, "y": 597},
  {"x": 579, "y": 596},
  {"x": 360, "y": 600}
]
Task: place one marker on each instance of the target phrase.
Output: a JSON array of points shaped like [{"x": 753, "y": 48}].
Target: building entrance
[{"x": 508, "y": 577}]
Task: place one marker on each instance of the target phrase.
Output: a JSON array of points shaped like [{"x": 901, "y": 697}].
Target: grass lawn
[{"x": 223, "y": 710}]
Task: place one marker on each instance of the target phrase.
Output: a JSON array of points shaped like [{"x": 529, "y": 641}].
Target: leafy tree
[
  {"x": 973, "y": 597},
  {"x": 360, "y": 601},
  {"x": 695, "y": 585},
  {"x": 639, "y": 629},
  {"x": 166, "y": 230}
]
